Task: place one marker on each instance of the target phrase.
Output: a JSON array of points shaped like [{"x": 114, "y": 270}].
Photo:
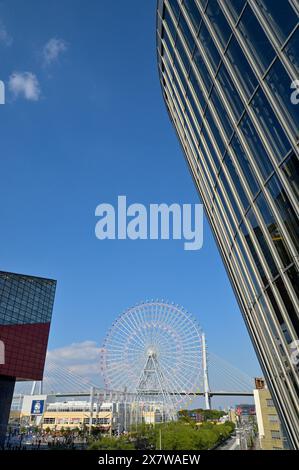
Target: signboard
[{"x": 37, "y": 407}]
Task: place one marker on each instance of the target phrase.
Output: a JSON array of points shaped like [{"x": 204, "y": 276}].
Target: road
[{"x": 231, "y": 444}]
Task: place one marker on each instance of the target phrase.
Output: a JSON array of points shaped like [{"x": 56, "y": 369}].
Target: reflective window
[
  {"x": 254, "y": 254},
  {"x": 287, "y": 213},
  {"x": 248, "y": 264},
  {"x": 288, "y": 304},
  {"x": 181, "y": 51},
  {"x": 169, "y": 47},
  {"x": 256, "y": 146},
  {"x": 197, "y": 88},
  {"x": 209, "y": 46},
  {"x": 194, "y": 108},
  {"x": 215, "y": 131},
  {"x": 186, "y": 33},
  {"x": 262, "y": 242},
  {"x": 226, "y": 210},
  {"x": 245, "y": 165},
  {"x": 261, "y": 50},
  {"x": 221, "y": 112},
  {"x": 211, "y": 148},
  {"x": 293, "y": 276},
  {"x": 275, "y": 134},
  {"x": 235, "y": 7},
  {"x": 241, "y": 67},
  {"x": 291, "y": 171},
  {"x": 218, "y": 21},
  {"x": 230, "y": 196},
  {"x": 203, "y": 3},
  {"x": 175, "y": 7},
  {"x": 280, "y": 85},
  {"x": 292, "y": 50},
  {"x": 230, "y": 91},
  {"x": 193, "y": 13},
  {"x": 280, "y": 16},
  {"x": 169, "y": 22},
  {"x": 279, "y": 316},
  {"x": 236, "y": 181},
  {"x": 273, "y": 230},
  {"x": 181, "y": 74},
  {"x": 202, "y": 69},
  {"x": 208, "y": 163}
]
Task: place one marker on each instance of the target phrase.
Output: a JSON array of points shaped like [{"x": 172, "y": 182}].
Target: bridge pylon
[{"x": 206, "y": 386}]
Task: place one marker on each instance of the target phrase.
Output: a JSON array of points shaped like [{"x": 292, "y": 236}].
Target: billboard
[{"x": 37, "y": 407}]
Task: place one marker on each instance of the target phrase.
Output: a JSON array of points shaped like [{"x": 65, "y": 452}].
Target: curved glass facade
[{"x": 226, "y": 69}]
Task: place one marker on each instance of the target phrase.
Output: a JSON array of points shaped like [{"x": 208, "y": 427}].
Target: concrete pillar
[{"x": 7, "y": 385}]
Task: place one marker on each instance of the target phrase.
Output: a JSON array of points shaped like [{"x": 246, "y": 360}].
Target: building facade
[
  {"x": 268, "y": 423},
  {"x": 228, "y": 73},
  {"x": 26, "y": 305}
]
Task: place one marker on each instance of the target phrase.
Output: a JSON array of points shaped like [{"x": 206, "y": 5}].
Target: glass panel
[
  {"x": 287, "y": 212},
  {"x": 262, "y": 242},
  {"x": 175, "y": 7},
  {"x": 236, "y": 181},
  {"x": 245, "y": 165},
  {"x": 202, "y": 69},
  {"x": 280, "y": 85},
  {"x": 209, "y": 46},
  {"x": 186, "y": 33},
  {"x": 230, "y": 91},
  {"x": 230, "y": 196},
  {"x": 256, "y": 146},
  {"x": 291, "y": 170},
  {"x": 197, "y": 88},
  {"x": 247, "y": 263},
  {"x": 280, "y": 16},
  {"x": 235, "y": 7},
  {"x": 293, "y": 276},
  {"x": 215, "y": 131},
  {"x": 273, "y": 230},
  {"x": 254, "y": 254},
  {"x": 292, "y": 50},
  {"x": 279, "y": 317},
  {"x": 193, "y": 13},
  {"x": 226, "y": 210},
  {"x": 218, "y": 21},
  {"x": 211, "y": 148},
  {"x": 180, "y": 48},
  {"x": 241, "y": 67},
  {"x": 169, "y": 22},
  {"x": 194, "y": 109},
  {"x": 261, "y": 50},
  {"x": 221, "y": 112},
  {"x": 288, "y": 304},
  {"x": 275, "y": 134}
]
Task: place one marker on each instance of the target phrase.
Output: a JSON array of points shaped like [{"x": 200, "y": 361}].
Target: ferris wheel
[{"x": 154, "y": 350}]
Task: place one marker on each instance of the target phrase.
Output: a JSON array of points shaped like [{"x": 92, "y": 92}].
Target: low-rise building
[{"x": 270, "y": 433}]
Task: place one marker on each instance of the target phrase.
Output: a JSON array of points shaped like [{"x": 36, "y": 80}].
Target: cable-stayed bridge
[{"x": 223, "y": 380}]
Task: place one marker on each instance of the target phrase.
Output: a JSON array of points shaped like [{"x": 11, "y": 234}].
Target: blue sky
[{"x": 84, "y": 122}]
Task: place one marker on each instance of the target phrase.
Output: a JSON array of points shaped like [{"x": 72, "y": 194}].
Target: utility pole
[{"x": 205, "y": 373}]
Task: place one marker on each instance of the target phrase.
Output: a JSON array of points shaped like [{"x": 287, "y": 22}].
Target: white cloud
[
  {"x": 82, "y": 358},
  {"x": 52, "y": 50},
  {"x": 24, "y": 84},
  {"x": 5, "y": 38}
]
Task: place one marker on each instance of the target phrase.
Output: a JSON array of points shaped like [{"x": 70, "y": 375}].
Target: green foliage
[{"x": 112, "y": 443}]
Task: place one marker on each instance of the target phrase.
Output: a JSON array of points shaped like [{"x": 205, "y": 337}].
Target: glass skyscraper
[
  {"x": 26, "y": 304},
  {"x": 227, "y": 70}
]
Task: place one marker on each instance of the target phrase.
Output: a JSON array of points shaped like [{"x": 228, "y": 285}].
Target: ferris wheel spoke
[{"x": 156, "y": 346}]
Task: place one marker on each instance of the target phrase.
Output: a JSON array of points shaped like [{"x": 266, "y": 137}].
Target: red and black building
[{"x": 26, "y": 304}]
